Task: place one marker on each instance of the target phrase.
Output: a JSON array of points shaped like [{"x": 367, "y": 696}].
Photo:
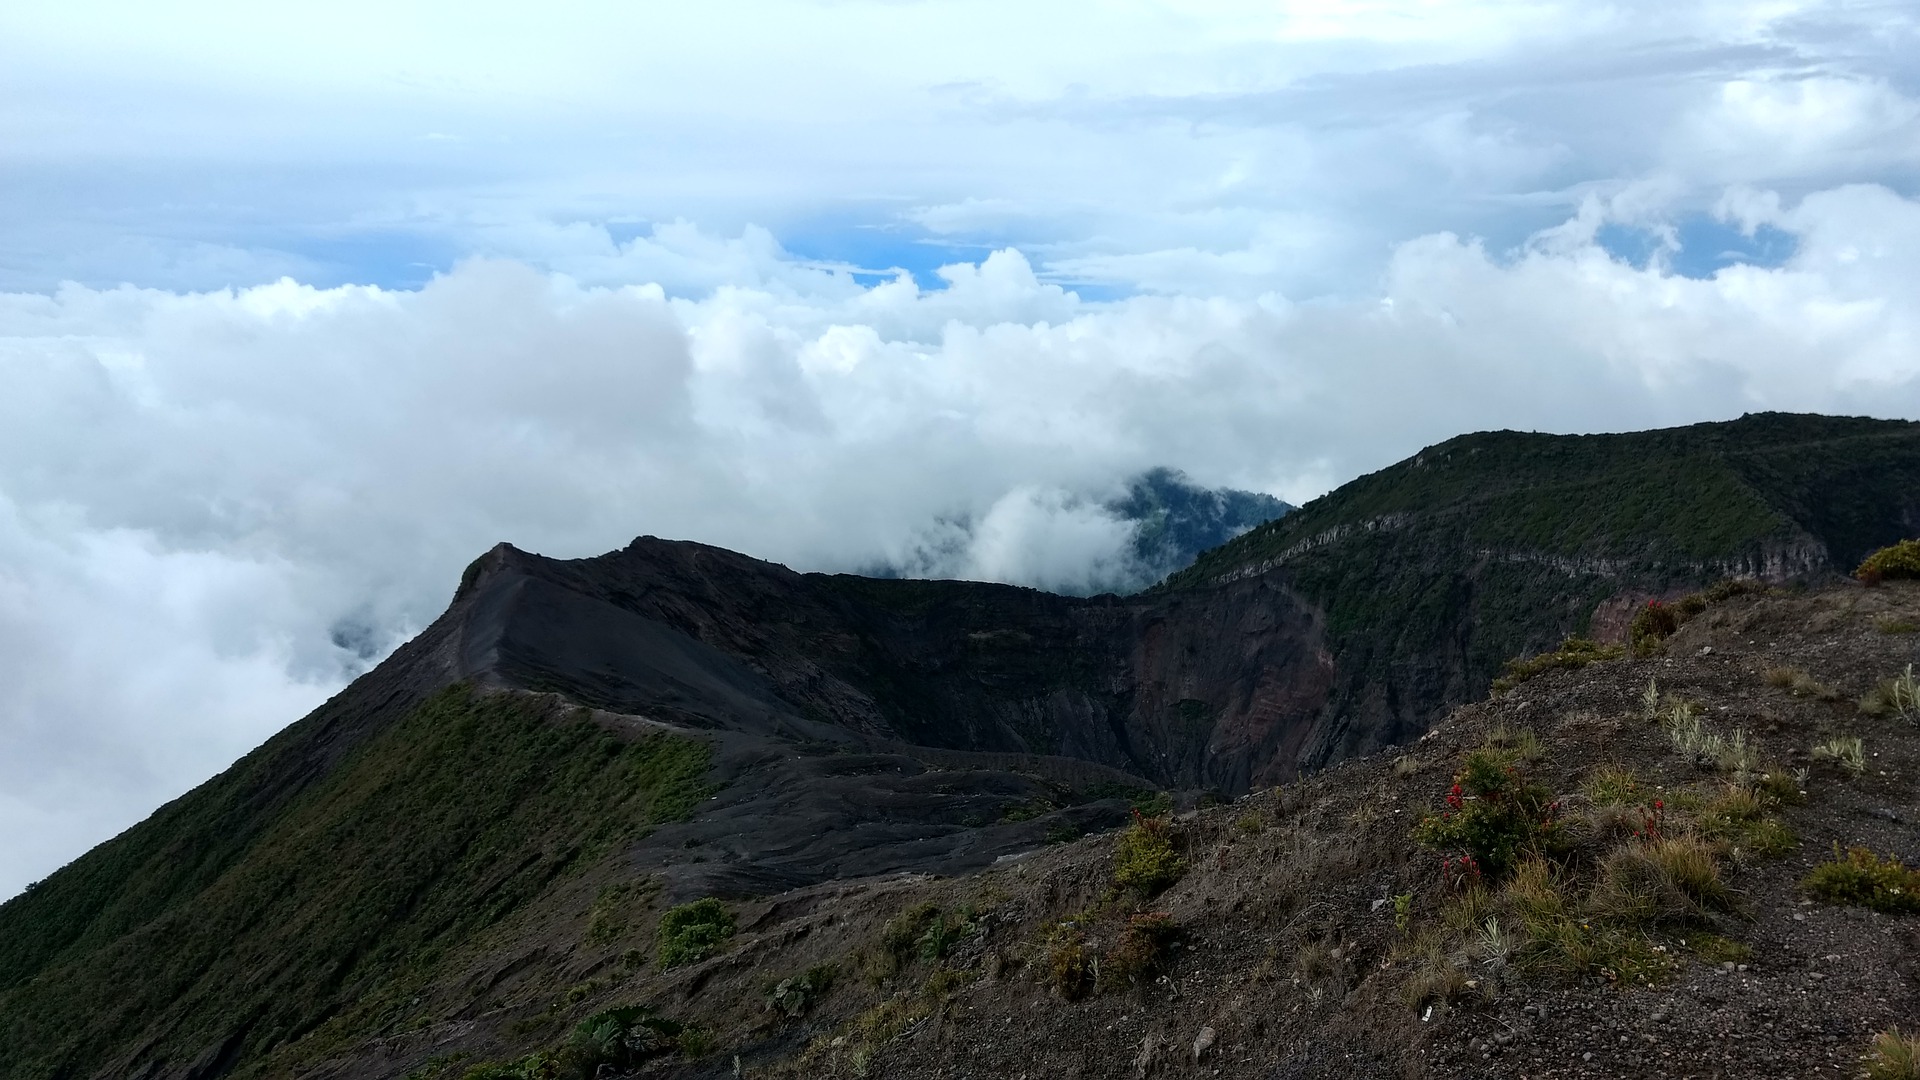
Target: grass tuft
[
  {"x": 1845, "y": 751},
  {"x": 1895, "y": 1057}
]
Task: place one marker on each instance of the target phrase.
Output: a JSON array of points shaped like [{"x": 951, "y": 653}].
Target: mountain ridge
[{"x": 846, "y": 727}]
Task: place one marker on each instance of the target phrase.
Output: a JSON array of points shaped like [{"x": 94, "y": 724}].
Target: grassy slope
[
  {"x": 1492, "y": 545},
  {"x": 230, "y": 926}
]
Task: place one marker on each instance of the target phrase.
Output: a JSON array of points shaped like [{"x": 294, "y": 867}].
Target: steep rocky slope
[
  {"x": 1431, "y": 573},
  {"x": 1307, "y": 933}
]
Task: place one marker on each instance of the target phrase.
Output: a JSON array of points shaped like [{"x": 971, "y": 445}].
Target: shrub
[
  {"x": 1863, "y": 879},
  {"x": 1069, "y": 970},
  {"x": 1493, "y": 814},
  {"x": 1652, "y": 625},
  {"x": 693, "y": 931},
  {"x": 1141, "y": 950},
  {"x": 795, "y": 994},
  {"x": 1144, "y": 858},
  {"x": 903, "y": 932},
  {"x": 1846, "y": 751},
  {"x": 1894, "y": 562},
  {"x": 1573, "y": 653},
  {"x": 1896, "y": 624},
  {"x": 1895, "y": 1057}
]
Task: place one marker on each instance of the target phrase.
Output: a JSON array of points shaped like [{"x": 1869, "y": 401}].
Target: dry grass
[{"x": 1667, "y": 881}]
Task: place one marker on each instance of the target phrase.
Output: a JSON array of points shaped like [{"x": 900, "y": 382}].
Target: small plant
[
  {"x": 693, "y": 931},
  {"x": 1521, "y": 744},
  {"x": 1144, "y": 858},
  {"x": 1863, "y": 879},
  {"x": 1899, "y": 696},
  {"x": 795, "y": 994},
  {"x": 1650, "y": 701},
  {"x": 1435, "y": 978},
  {"x": 1896, "y": 624},
  {"x": 1402, "y": 912},
  {"x": 1738, "y": 815},
  {"x": 1895, "y": 1057},
  {"x": 1069, "y": 969},
  {"x": 1141, "y": 950},
  {"x": 1493, "y": 814},
  {"x": 1250, "y": 824},
  {"x": 1799, "y": 683},
  {"x": 1611, "y": 785},
  {"x": 1891, "y": 563},
  {"x": 1652, "y": 624},
  {"x": 1846, "y": 751},
  {"x": 1496, "y": 944},
  {"x": 1405, "y": 766},
  {"x": 1715, "y": 949}
]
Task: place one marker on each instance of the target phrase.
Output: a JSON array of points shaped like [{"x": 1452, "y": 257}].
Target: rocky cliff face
[{"x": 1218, "y": 687}]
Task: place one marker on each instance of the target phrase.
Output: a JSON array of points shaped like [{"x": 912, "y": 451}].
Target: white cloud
[{"x": 212, "y": 503}]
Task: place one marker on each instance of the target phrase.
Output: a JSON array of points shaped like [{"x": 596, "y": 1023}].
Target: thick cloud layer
[
  {"x": 219, "y": 506},
  {"x": 409, "y": 280}
]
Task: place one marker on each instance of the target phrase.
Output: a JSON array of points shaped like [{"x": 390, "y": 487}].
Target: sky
[{"x": 302, "y": 307}]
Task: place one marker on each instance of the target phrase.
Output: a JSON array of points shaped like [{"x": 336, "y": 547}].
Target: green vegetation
[
  {"x": 618, "y": 1039},
  {"x": 1863, "y": 879},
  {"x": 1144, "y": 858},
  {"x": 1895, "y": 1057},
  {"x": 1500, "y": 544},
  {"x": 1891, "y": 563},
  {"x": 284, "y": 898},
  {"x": 1799, "y": 683},
  {"x": 1846, "y": 751},
  {"x": 693, "y": 931},
  {"x": 1573, "y": 653},
  {"x": 1140, "y": 952},
  {"x": 795, "y": 994},
  {"x": 1897, "y": 697},
  {"x": 1492, "y": 815}
]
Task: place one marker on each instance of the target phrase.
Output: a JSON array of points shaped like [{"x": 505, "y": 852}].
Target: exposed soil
[{"x": 1289, "y": 962}]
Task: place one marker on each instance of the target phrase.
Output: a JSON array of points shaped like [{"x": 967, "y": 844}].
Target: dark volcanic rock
[{"x": 1217, "y": 688}]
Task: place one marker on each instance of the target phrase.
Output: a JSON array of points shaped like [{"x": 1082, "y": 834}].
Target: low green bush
[
  {"x": 1654, "y": 623},
  {"x": 1891, "y": 563},
  {"x": 1144, "y": 858},
  {"x": 1863, "y": 879},
  {"x": 1493, "y": 814},
  {"x": 693, "y": 931}
]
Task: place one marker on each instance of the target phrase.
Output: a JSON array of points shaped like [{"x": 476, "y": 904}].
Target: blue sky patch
[{"x": 1707, "y": 245}]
